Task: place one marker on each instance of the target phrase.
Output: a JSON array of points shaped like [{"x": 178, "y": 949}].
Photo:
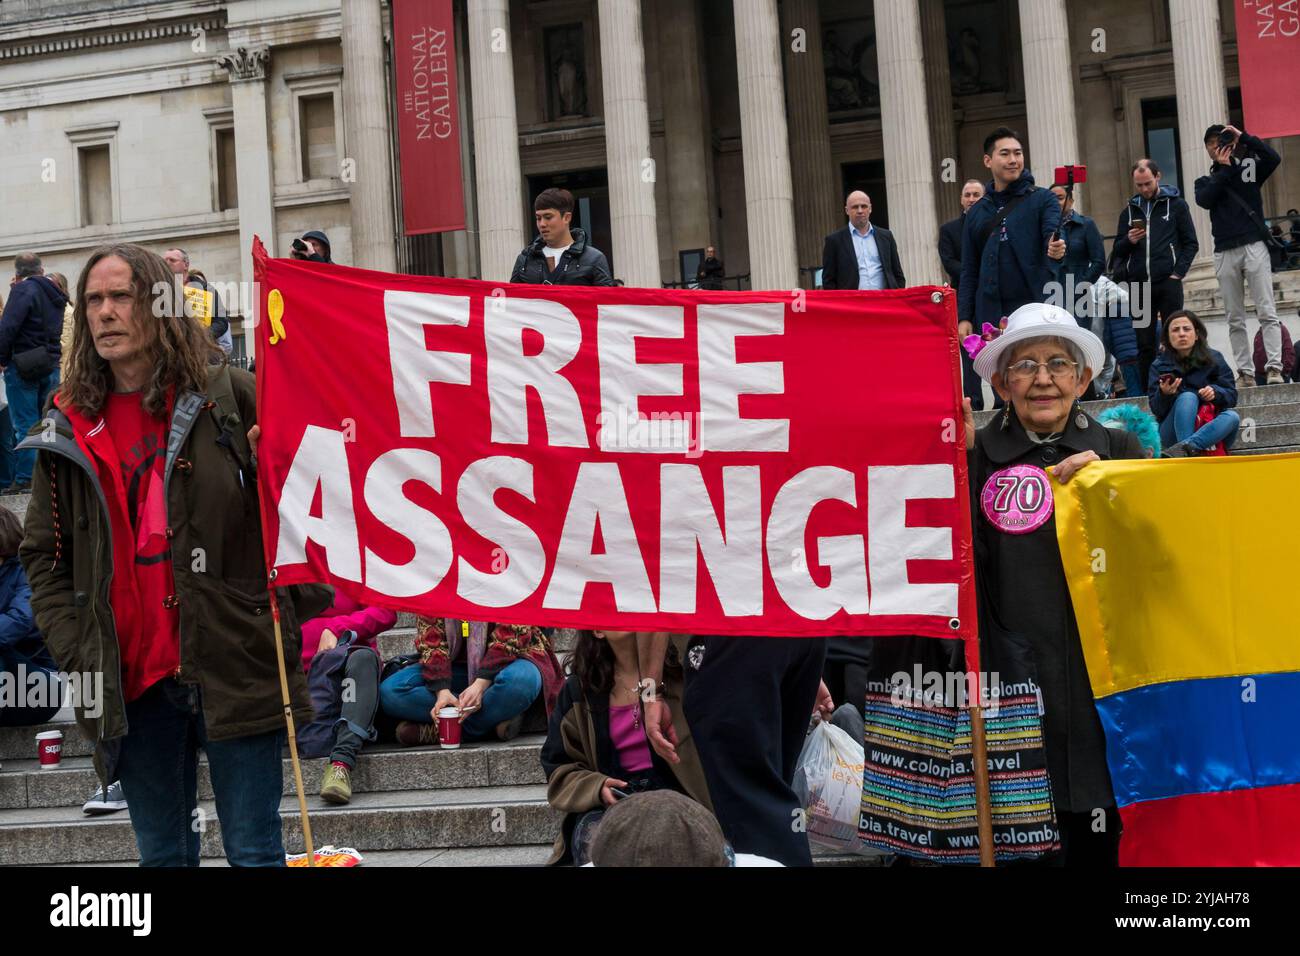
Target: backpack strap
[
  {"x": 1001, "y": 217},
  {"x": 233, "y": 430}
]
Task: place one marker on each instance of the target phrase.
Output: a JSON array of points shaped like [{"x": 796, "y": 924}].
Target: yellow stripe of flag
[{"x": 1182, "y": 568}]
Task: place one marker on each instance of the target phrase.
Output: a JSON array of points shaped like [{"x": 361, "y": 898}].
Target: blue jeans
[
  {"x": 1180, "y": 425},
  {"x": 159, "y": 774},
  {"x": 6, "y": 448},
  {"x": 26, "y": 400},
  {"x": 405, "y": 697}
]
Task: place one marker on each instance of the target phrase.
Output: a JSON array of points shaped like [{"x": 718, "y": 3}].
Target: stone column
[
  {"x": 497, "y": 173},
  {"x": 629, "y": 165},
  {"x": 818, "y": 208},
  {"x": 366, "y": 137},
  {"x": 1202, "y": 99},
  {"x": 769, "y": 195},
  {"x": 686, "y": 130},
  {"x": 938, "y": 96},
  {"x": 1049, "y": 89},
  {"x": 254, "y": 173},
  {"x": 907, "y": 138}
]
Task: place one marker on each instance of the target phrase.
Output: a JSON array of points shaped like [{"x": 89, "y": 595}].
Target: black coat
[
  {"x": 1025, "y": 581},
  {"x": 1169, "y": 231},
  {"x": 1217, "y": 375},
  {"x": 581, "y": 264},
  {"x": 950, "y": 248},
  {"x": 710, "y": 274},
  {"x": 840, "y": 262},
  {"x": 1230, "y": 224},
  {"x": 32, "y": 317}
]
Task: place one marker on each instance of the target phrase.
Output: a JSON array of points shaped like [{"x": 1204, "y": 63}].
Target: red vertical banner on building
[
  {"x": 1268, "y": 49},
  {"x": 428, "y": 116}
]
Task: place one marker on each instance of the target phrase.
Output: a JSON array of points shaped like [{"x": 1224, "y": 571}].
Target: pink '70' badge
[{"x": 1017, "y": 500}]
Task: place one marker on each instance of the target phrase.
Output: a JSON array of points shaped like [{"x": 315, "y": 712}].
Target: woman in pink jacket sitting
[{"x": 359, "y": 625}]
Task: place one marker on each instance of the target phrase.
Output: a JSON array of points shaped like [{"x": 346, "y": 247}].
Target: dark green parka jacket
[{"x": 227, "y": 638}]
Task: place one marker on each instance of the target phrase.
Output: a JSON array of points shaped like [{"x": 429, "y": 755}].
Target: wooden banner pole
[{"x": 288, "y": 720}]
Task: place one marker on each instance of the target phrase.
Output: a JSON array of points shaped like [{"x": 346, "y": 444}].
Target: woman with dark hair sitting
[
  {"x": 1185, "y": 377},
  {"x": 596, "y": 749}
]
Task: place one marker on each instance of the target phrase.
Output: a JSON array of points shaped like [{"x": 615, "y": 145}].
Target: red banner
[
  {"x": 707, "y": 462},
  {"x": 428, "y": 117},
  {"x": 1268, "y": 49}
]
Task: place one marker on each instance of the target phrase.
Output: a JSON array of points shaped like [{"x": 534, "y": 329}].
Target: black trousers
[
  {"x": 1166, "y": 298},
  {"x": 748, "y": 701}
]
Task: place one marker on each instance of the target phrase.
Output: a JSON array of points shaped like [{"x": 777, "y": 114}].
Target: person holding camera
[
  {"x": 1187, "y": 376},
  {"x": 1231, "y": 192},
  {"x": 1155, "y": 241},
  {"x": 314, "y": 246}
]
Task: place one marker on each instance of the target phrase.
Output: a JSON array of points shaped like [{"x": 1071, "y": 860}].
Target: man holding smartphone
[
  {"x": 1231, "y": 192},
  {"x": 1155, "y": 241}
]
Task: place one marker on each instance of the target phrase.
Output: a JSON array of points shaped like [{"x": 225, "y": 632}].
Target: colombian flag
[{"x": 1186, "y": 590}]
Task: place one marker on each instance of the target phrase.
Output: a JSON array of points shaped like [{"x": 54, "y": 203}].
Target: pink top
[
  {"x": 629, "y": 739},
  {"x": 346, "y": 615}
]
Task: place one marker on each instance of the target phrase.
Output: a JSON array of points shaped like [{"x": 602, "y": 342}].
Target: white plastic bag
[{"x": 828, "y": 781}]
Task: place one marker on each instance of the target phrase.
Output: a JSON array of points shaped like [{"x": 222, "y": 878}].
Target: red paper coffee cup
[
  {"x": 49, "y": 748},
  {"x": 449, "y": 727}
]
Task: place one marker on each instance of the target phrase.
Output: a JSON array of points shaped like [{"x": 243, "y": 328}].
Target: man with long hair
[{"x": 144, "y": 552}]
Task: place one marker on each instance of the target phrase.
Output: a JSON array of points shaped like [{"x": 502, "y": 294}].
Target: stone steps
[
  {"x": 381, "y": 768},
  {"x": 401, "y": 820}
]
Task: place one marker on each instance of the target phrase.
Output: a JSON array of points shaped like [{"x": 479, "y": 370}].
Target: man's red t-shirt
[{"x": 149, "y": 633}]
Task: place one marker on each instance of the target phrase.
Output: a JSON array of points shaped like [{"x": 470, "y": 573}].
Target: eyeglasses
[{"x": 1058, "y": 368}]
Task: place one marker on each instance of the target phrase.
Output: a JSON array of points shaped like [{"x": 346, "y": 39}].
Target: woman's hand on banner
[
  {"x": 968, "y": 420},
  {"x": 1070, "y": 465},
  {"x": 659, "y": 729},
  {"x": 254, "y": 435}
]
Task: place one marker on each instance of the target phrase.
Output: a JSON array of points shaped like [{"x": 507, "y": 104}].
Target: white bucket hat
[{"x": 1038, "y": 320}]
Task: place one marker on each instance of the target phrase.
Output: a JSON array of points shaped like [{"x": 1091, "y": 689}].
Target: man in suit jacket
[
  {"x": 950, "y": 232},
  {"x": 861, "y": 256}
]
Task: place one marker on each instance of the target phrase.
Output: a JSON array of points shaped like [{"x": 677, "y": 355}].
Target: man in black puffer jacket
[
  {"x": 30, "y": 332},
  {"x": 560, "y": 255}
]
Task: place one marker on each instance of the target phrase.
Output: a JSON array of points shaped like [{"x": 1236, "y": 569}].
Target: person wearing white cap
[{"x": 1040, "y": 364}]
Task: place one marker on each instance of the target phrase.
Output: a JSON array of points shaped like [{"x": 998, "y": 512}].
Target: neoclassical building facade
[{"x": 677, "y": 124}]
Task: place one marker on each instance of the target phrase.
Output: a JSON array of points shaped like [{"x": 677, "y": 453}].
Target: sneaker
[
  {"x": 101, "y": 802},
  {"x": 336, "y": 784},
  {"x": 412, "y": 734},
  {"x": 509, "y": 729},
  {"x": 1245, "y": 381},
  {"x": 1183, "y": 450},
  {"x": 1274, "y": 377}
]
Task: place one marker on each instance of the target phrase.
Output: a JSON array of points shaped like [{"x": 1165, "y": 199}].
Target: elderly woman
[{"x": 1040, "y": 365}]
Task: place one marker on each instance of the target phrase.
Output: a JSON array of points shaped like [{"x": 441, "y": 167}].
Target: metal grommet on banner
[
  {"x": 954, "y": 623},
  {"x": 936, "y": 297},
  {"x": 273, "y": 574}
]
